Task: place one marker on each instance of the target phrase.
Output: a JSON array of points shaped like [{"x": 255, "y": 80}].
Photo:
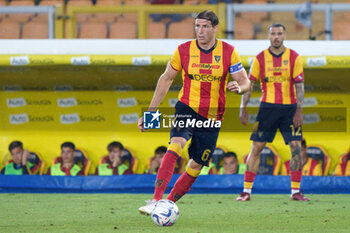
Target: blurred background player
[
  {"x": 18, "y": 165},
  {"x": 231, "y": 165},
  {"x": 112, "y": 164},
  {"x": 311, "y": 167},
  {"x": 64, "y": 165},
  {"x": 280, "y": 71},
  {"x": 343, "y": 166},
  {"x": 205, "y": 64}
]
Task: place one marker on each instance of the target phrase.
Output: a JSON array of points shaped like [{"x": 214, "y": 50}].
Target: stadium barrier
[{"x": 223, "y": 184}]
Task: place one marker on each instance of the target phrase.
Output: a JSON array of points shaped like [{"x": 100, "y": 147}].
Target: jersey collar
[
  {"x": 275, "y": 54},
  {"x": 209, "y": 50}
]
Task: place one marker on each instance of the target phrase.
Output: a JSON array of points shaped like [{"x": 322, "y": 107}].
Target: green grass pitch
[{"x": 199, "y": 213}]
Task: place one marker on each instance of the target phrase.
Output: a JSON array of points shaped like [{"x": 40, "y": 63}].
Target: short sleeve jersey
[
  {"x": 205, "y": 75},
  {"x": 277, "y": 75}
]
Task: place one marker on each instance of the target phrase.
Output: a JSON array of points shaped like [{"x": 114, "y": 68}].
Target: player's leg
[
  {"x": 202, "y": 146},
  {"x": 264, "y": 131},
  {"x": 296, "y": 166},
  {"x": 292, "y": 136},
  {"x": 165, "y": 172},
  {"x": 253, "y": 162},
  {"x": 185, "y": 181}
]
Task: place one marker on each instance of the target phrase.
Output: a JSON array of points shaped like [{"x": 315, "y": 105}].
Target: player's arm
[
  {"x": 298, "y": 116},
  {"x": 299, "y": 89},
  {"x": 241, "y": 83},
  {"x": 243, "y": 115},
  {"x": 163, "y": 85}
]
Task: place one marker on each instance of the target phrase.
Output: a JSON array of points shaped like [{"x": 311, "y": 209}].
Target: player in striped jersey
[
  {"x": 280, "y": 72},
  {"x": 206, "y": 65}
]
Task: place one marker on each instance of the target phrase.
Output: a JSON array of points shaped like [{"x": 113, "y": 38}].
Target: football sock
[
  {"x": 166, "y": 170},
  {"x": 183, "y": 184},
  {"x": 295, "y": 178},
  {"x": 248, "y": 181}
]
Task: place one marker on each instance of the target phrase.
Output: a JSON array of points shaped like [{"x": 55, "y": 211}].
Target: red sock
[
  {"x": 181, "y": 187},
  {"x": 166, "y": 170},
  {"x": 249, "y": 178},
  {"x": 295, "y": 177}
]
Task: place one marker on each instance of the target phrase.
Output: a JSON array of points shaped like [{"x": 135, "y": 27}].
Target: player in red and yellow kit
[
  {"x": 280, "y": 72},
  {"x": 206, "y": 65}
]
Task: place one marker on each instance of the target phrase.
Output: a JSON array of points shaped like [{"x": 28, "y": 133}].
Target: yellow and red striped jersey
[
  {"x": 277, "y": 75},
  {"x": 205, "y": 75}
]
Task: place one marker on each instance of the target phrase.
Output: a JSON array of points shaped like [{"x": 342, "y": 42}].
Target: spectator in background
[
  {"x": 156, "y": 160},
  {"x": 231, "y": 165},
  {"x": 18, "y": 165},
  {"x": 311, "y": 167},
  {"x": 112, "y": 164},
  {"x": 343, "y": 166},
  {"x": 64, "y": 165}
]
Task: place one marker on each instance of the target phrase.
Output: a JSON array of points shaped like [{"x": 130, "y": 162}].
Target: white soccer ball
[{"x": 165, "y": 213}]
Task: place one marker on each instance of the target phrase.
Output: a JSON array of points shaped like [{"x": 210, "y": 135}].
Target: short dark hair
[
  {"x": 114, "y": 144},
  {"x": 15, "y": 144},
  {"x": 68, "y": 144},
  {"x": 160, "y": 150},
  {"x": 277, "y": 25},
  {"x": 230, "y": 154},
  {"x": 209, "y": 15}
]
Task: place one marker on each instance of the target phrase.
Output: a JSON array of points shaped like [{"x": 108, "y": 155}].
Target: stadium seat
[
  {"x": 343, "y": 166},
  {"x": 81, "y": 159},
  {"x": 83, "y": 17},
  {"x": 51, "y": 2},
  {"x": 40, "y": 18},
  {"x": 10, "y": 30},
  {"x": 341, "y": 30},
  {"x": 218, "y": 155},
  {"x": 270, "y": 161},
  {"x": 79, "y": 3},
  {"x": 35, "y": 30},
  {"x": 93, "y": 30},
  {"x": 131, "y": 18},
  {"x": 254, "y": 17},
  {"x": 134, "y": 2},
  {"x": 123, "y": 30},
  {"x": 156, "y": 30},
  {"x": 22, "y": 3},
  {"x": 35, "y": 162},
  {"x": 181, "y": 30},
  {"x": 243, "y": 29},
  {"x": 18, "y": 18},
  {"x": 320, "y": 154},
  {"x": 103, "y": 18},
  {"x": 108, "y": 2}
]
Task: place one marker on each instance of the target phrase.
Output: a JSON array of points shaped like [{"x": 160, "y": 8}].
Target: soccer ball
[{"x": 165, "y": 213}]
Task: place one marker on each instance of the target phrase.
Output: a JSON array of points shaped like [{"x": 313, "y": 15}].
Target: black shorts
[
  {"x": 272, "y": 117},
  {"x": 203, "y": 138}
]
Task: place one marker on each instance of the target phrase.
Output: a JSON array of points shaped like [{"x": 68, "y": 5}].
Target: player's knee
[
  {"x": 194, "y": 165},
  {"x": 257, "y": 148},
  {"x": 178, "y": 140}
]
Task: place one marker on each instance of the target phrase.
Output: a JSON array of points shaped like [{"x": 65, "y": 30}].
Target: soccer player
[
  {"x": 205, "y": 64},
  {"x": 280, "y": 71},
  {"x": 19, "y": 164}
]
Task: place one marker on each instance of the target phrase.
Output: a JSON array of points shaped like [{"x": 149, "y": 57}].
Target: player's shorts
[
  {"x": 276, "y": 116},
  {"x": 203, "y": 139}
]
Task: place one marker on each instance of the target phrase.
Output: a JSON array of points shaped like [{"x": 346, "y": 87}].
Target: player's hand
[
  {"x": 25, "y": 157},
  {"x": 140, "y": 124},
  {"x": 243, "y": 115},
  {"x": 298, "y": 118},
  {"x": 233, "y": 86}
]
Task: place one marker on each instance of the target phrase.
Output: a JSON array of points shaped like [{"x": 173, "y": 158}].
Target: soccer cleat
[
  {"x": 243, "y": 197},
  {"x": 147, "y": 209},
  {"x": 299, "y": 197}
]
